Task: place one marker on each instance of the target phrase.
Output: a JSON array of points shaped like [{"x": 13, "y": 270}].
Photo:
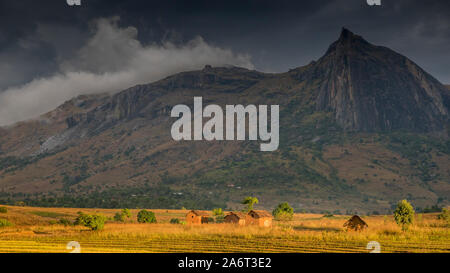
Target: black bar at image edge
[{"x": 213, "y": 262}]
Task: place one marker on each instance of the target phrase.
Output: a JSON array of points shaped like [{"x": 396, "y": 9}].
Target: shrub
[
  {"x": 146, "y": 217},
  {"x": 220, "y": 219},
  {"x": 445, "y": 215},
  {"x": 174, "y": 221},
  {"x": 404, "y": 214},
  {"x": 119, "y": 217},
  {"x": 65, "y": 222},
  {"x": 93, "y": 221},
  {"x": 48, "y": 214},
  {"x": 5, "y": 223},
  {"x": 80, "y": 220},
  {"x": 96, "y": 222},
  {"x": 283, "y": 212},
  {"x": 217, "y": 212},
  {"x": 122, "y": 215},
  {"x": 126, "y": 213},
  {"x": 3, "y": 209}
]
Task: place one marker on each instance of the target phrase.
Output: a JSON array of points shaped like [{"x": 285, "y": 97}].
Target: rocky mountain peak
[
  {"x": 373, "y": 88},
  {"x": 347, "y": 36},
  {"x": 348, "y": 41}
]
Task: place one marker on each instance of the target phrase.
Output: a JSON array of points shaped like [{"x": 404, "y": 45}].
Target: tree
[
  {"x": 283, "y": 212},
  {"x": 250, "y": 201},
  {"x": 146, "y": 217},
  {"x": 404, "y": 214},
  {"x": 92, "y": 221},
  {"x": 96, "y": 222}
]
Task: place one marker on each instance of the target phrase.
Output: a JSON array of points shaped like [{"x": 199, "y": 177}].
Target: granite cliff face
[
  {"x": 361, "y": 128},
  {"x": 372, "y": 88}
]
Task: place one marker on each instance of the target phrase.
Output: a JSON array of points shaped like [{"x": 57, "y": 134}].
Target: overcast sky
[{"x": 50, "y": 52}]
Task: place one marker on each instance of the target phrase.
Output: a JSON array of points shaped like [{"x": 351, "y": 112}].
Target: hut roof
[
  {"x": 355, "y": 222},
  {"x": 240, "y": 215},
  {"x": 261, "y": 213},
  {"x": 200, "y": 213}
]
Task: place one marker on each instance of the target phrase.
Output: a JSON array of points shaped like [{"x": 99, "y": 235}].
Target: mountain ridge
[{"x": 360, "y": 128}]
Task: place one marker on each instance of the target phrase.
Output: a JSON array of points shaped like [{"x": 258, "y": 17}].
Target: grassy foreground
[{"x": 35, "y": 230}]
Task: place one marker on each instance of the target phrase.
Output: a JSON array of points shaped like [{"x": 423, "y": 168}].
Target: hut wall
[
  {"x": 265, "y": 222},
  {"x": 191, "y": 218},
  {"x": 234, "y": 219},
  {"x": 231, "y": 219},
  {"x": 250, "y": 220}
]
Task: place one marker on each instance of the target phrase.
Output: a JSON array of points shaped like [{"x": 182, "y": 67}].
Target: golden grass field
[{"x": 35, "y": 230}]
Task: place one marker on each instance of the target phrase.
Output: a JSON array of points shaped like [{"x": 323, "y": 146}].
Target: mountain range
[{"x": 360, "y": 128}]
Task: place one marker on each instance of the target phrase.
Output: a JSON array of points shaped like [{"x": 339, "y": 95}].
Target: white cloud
[{"x": 111, "y": 60}]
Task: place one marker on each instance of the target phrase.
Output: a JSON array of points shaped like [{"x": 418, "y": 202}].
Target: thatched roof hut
[
  {"x": 197, "y": 217},
  {"x": 261, "y": 218},
  {"x": 235, "y": 218},
  {"x": 355, "y": 223}
]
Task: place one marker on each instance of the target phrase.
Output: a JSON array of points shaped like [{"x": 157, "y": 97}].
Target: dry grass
[{"x": 306, "y": 233}]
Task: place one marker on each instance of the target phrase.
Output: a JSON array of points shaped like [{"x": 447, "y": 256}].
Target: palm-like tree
[{"x": 250, "y": 201}]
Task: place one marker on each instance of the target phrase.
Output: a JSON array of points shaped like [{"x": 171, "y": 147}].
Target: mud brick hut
[
  {"x": 261, "y": 218},
  {"x": 236, "y": 218},
  {"x": 197, "y": 217},
  {"x": 355, "y": 223}
]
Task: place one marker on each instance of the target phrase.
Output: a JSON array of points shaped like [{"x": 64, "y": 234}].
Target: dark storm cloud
[
  {"x": 111, "y": 60},
  {"x": 278, "y": 34},
  {"x": 42, "y": 41}
]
